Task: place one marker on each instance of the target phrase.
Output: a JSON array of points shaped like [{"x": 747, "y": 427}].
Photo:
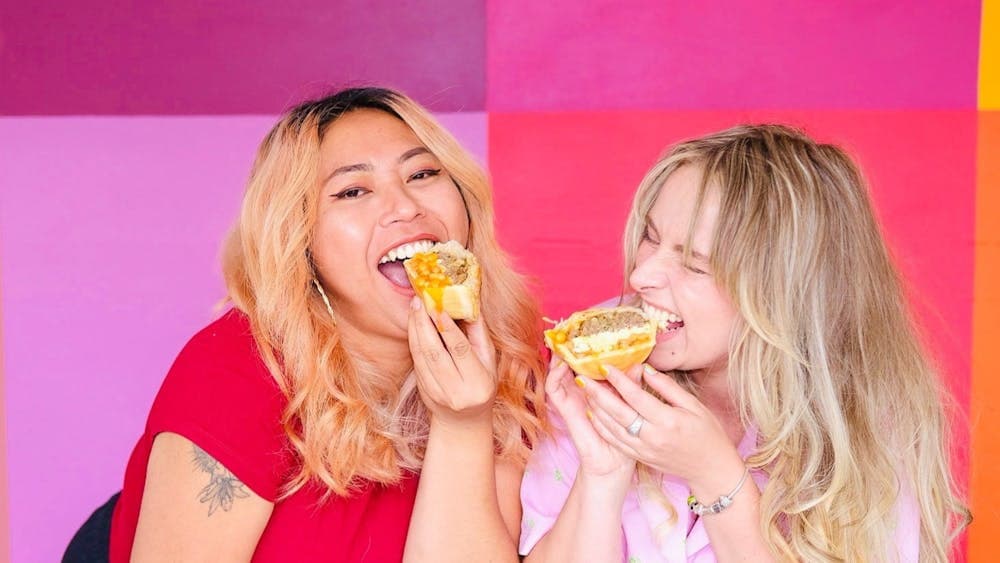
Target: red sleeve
[{"x": 219, "y": 395}]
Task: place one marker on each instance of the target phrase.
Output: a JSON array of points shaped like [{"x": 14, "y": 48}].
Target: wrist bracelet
[{"x": 724, "y": 501}]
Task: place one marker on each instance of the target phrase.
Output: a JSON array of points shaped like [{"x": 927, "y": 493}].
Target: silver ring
[{"x": 634, "y": 428}]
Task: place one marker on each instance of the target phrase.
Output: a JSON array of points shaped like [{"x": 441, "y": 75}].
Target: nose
[
  {"x": 400, "y": 205},
  {"x": 651, "y": 271}
]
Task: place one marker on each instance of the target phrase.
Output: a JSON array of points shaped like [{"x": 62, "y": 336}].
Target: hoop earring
[{"x": 322, "y": 293}]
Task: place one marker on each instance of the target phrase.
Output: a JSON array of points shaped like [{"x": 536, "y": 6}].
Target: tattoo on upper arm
[{"x": 223, "y": 487}]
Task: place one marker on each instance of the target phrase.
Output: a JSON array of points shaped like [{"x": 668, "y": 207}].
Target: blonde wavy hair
[
  {"x": 348, "y": 421},
  {"x": 825, "y": 361}
]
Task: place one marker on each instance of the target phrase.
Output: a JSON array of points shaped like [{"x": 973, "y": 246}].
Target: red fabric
[{"x": 219, "y": 395}]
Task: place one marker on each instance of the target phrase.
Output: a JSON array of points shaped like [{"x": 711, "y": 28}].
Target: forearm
[
  {"x": 735, "y": 533},
  {"x": 457, "y": 515},
  {"x": 589, "y": 525}
]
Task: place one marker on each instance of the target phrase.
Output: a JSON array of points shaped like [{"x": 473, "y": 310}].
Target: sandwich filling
[{"x": 447, "y": 264}]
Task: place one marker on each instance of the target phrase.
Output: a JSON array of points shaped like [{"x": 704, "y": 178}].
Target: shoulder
[
  {"x": 219, "y": 376},
  {"x": 223, "y": 353}
]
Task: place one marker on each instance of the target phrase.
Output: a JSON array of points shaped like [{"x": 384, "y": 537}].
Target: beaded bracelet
[{"x": 718, "y": 506}]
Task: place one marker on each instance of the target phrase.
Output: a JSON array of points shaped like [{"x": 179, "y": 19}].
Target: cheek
[
  {"x": 338, "y": 241},
  {"x": 447, "y": 205}
]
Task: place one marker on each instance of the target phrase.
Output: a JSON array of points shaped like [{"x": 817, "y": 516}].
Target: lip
[
  {"x": 414, "y": 238},
  {"x": 665, "y": 335}
]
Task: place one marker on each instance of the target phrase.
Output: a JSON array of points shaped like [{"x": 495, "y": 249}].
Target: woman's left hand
[
  {"x": 679, "y": 435},
  {"x": 456, "y": 371}
]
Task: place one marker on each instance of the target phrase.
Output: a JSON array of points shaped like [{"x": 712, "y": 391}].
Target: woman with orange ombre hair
[{"x": 324, "y": 417}]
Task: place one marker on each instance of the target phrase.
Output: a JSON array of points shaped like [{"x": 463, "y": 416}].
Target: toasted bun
[
  {"x": 586, "y": 354},
  {"x": 439, "y": 292}
]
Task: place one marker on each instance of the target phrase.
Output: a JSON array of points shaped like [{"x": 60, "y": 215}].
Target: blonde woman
[
  {"x": 787, "y": 411},
  {"x": 324, "y": 418}
]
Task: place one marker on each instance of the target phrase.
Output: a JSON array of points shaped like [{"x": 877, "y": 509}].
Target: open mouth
[
  {"x": 665, "y": 320},
  {"x": 391, "y": 264}
]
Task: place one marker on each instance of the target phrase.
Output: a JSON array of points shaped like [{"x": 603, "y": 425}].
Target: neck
[
  {"x": 714, "y": 393},
  {"x": 388, "y": 354}
]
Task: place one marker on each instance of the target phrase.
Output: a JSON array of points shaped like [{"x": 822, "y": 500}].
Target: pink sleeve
[
  {"x": 907, "y": 526},
  {"x": 548, "y": 478}
]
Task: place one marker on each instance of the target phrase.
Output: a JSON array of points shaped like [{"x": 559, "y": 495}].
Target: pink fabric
[{"x": 647, "y": 535}]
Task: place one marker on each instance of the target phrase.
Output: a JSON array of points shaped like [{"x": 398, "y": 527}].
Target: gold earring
[{"x": 322, "y": 293}]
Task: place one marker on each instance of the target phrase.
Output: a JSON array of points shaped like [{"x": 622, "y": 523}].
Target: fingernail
[
  {"x": 648, "y": 370},
  {"x": 415, "y": 303},
  {"x": 603, "y": 369},
  {"x": 580, "y": 382}
]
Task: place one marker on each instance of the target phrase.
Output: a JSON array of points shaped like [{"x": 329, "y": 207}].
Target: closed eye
[{"x": 649, "y": 236}]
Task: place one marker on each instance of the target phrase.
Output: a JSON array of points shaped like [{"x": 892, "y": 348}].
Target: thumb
[
  {"x": 482, "y": 344},
  {"x": 669, "y": 389}
]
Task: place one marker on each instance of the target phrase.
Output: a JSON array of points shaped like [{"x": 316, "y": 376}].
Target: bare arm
[
  {"x": 682, "y": 437},
  {"x": 467, "y": 506},
  {"x": 194, "y": 509},
  {"x": 589, "y": 525}
]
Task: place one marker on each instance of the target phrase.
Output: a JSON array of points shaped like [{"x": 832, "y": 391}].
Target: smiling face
[
  {"x": 696, "y": 318},
  {"x": 383, "y": 195}
]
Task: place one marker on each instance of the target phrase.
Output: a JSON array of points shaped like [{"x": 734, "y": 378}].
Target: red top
[{"x": 219, "y": 395}]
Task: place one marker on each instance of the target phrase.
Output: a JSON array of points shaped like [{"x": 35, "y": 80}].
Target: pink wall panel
[
  {"x": 565, "y": 182},
  {"x": 653, "y": 54},
  {"x": 110, "y": 229}
]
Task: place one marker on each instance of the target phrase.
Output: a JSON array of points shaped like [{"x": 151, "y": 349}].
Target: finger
[
  {"x": 569, "y": 402},
  {"x": 557, "y": 376},
  {"x": 670, "y": 390},
  {"x": 613, "y": 433},
  {"x": 635, "y": 373},
  {"x": 634, "y": 395},
  {"x": 467, "y": 362},
  {"x": 482, "y": 344},
  {"x": 428, "y": 358},
  {"x": 606, "y": 399}
]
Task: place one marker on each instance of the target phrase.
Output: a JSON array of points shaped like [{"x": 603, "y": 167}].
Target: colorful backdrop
[{"x": 126, "y": 134}]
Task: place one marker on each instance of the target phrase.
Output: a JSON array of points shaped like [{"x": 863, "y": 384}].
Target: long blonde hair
[
  {"x": 826, "y": 361},
  {"x": 347, "y": 421}
]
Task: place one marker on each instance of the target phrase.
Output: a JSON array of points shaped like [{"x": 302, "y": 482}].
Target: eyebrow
[
  {"x": 361, "y": 167},
  {"x": 694, "y": 253}
]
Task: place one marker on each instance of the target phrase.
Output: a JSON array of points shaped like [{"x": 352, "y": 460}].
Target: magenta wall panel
[
  {"x": 254, "y": 57},
  {"x": 109, "y": 232},
  {"x": 656, "y": 54}
]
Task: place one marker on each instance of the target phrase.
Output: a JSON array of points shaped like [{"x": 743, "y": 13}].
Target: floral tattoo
[{"x": 222, "y": 488}]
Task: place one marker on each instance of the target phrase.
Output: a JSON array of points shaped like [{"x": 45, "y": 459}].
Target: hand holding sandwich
[
  {"x": 456, "y": 371},
  {"x": 678, "y": 435}
]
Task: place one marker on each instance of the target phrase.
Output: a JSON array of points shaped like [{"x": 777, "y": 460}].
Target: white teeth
[
  {"x": 404, "y": 251},
  {"x": 661, "y": 317}
]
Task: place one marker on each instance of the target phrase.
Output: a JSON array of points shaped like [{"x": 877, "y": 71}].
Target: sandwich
[
  {"x": 447, "y": 279},
  {"x": 618, "y": 336}
]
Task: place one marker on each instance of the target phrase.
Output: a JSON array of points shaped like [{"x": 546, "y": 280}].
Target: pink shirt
[{"x": 647, "y": 537}]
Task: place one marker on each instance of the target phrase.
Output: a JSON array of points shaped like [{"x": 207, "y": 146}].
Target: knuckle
[
  {"x": 461, "y": 349},
  {"x": 431, "y": 355}
]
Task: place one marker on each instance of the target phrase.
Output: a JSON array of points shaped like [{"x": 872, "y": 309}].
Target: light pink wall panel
[
  {"x": 656, "y": 54},
  {"x": 110, "y": 229}
]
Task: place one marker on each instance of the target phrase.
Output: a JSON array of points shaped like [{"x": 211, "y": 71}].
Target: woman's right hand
[{"x": 598, "y": 458}]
